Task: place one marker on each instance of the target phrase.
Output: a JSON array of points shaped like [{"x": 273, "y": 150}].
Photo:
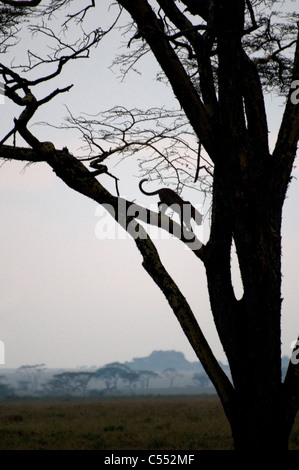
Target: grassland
[{"x": 180, "y": 423}]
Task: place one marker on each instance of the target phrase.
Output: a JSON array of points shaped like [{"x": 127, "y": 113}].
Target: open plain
[{"x": 145, "y": 423}]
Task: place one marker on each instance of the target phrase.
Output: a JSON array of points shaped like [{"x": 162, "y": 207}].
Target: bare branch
[
  {"x": 60, "y": 57},
  {"x": 13, "y": 83},
  {"x": 80, "y": 14},
  {"x": 287, "y": 141},
  {"x": 153, "y": 265},
  {"x": 252, "y": 17},
  {"x": 54, "y": 93},
  {"x": 172, "y": 151},
  {"x": 21, "y": 3}
]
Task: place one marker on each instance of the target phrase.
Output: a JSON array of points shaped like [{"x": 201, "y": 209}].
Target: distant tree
[
  {"x": 23, "y": 385},
  {"x": 145, "y": 376},
  {"x": 172, "y": 374},
  {"x": 58, "y": 385},
  {"x": 32, "y": 375},
  {"x": 80, "y": 381},
  {"x": 108, "y": 376},
  {"x": 68, "y": 383},
  {"x": 6, "y": 390},
  {"x": 131, "y": 378},
  {"x": 111, "y": 374},
  {"x": 118, "y": 366}
]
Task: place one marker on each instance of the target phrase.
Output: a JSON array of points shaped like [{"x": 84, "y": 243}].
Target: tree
[
  {"x": 130, "y": 378},
  {"x": 9, "y": 20},
  {"x": 6, "y": 390},
  {"x": 112, "y": 373},
  {"x": 68, "y": 383},
  {"x": 33, "y": 375},
  {"x": 146, "y": 376},
  {"x": 220, "y": 59},
  {"x": 171, "y": 374}
]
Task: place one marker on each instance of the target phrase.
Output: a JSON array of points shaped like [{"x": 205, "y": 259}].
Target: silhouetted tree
[
  {"x": 171, "y": 374},
  {"x": 145, "y": 376},
  {"x": 131, "y": 378},
  {"x": 33, "y": 374},
  {"x": 68, "y": 383},
  {"x": 220, "y": 58},
  {"x": 111, "y": 374},
  {"x": 6, "y": 390}
]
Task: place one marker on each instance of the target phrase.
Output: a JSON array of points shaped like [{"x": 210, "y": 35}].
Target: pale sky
[{"x": 69, "y": 299}]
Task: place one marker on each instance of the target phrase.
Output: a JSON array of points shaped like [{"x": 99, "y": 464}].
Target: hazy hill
[{"x": 161, "y": 360}]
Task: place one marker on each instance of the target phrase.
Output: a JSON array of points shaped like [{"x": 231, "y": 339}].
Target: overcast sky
[{"x": 68, "y": 298}]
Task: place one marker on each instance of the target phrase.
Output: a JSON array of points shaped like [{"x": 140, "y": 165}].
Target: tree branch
[
  {"x": 81, "y": 12},
  {"x": 29, "y": 102},
  {"x": 153, "y": 32},
  {"x": 163, "y": 135},
  {"x": 197, "y": 7},
  {"x": 152, "y": 264},
  {"x": 79, "y": 50},
  {"x": 21, "y": 3},
  {"x": 45, "y": 151},
  {"x": 8, "y": 152},
  {"x": 288, "y": 136},
  {"x": 201, "y": 49},
  {"x": 78, "y": 177},
  {"x": 255, "y": 108}
]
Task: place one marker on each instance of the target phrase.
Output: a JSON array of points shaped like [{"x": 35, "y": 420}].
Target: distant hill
[{"x": 161, "y": 360}]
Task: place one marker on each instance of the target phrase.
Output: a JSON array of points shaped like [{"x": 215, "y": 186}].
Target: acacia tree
[
  {"x": 68, "y": 383},
  {"x": 220, "y": 58},
  {"x": 33, "y": 375}
]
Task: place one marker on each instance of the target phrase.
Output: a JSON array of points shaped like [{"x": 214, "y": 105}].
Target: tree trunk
[
  {"x": 249, "y": 328},
  {"x": 258, "y": 425}
]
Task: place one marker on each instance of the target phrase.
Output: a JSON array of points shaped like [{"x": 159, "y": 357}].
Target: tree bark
[
  {"x": 247, "y": 210},
  {"x": 249, "y": 328}
]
